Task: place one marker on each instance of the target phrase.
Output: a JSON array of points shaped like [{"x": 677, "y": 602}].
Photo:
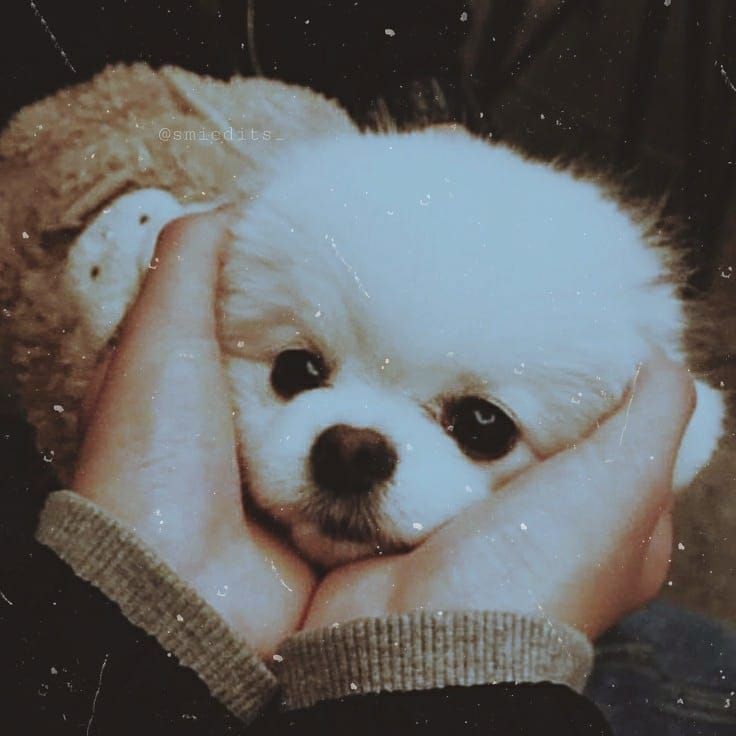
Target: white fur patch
[{"x": 430, "y": 265}]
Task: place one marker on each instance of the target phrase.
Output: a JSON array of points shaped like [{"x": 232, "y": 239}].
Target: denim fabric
[{"x": 665, "y": 671}]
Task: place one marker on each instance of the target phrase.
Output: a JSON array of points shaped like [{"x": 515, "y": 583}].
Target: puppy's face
[{"x": 409, "y": 320}]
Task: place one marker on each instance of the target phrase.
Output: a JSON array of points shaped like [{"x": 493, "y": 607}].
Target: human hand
[
  {"x": 159, "y": 450},
  {"x": 581, "y": 539}
]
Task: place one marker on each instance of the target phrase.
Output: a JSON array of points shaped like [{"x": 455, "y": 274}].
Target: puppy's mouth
[
  {"x": 331, "y": 534},
  {"x": 354, "y": 520},
  {"x": 342, "y": 529}
]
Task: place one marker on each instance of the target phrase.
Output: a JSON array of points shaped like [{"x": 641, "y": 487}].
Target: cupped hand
[
  {"x": 159, "y": 449},
  {"x": 582, "y": 538}
]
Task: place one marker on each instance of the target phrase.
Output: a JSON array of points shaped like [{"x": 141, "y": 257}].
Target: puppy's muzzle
[{"x": 351, "y": 461}]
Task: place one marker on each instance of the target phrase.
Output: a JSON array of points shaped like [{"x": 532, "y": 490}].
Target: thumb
[
  {"x": 657, "y": 560},
  {"x": 622, "y": 473},
  {"x": 162, "y": 419},
  {"x": 631, "y": 458}
]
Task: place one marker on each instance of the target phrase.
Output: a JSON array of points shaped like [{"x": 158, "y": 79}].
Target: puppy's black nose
[{"x": 349, "y": 460}]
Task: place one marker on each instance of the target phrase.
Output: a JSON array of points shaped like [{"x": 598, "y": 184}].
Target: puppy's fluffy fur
[
  {"x": 424, "y": 267},
  {"x": 419, "y": 269}
]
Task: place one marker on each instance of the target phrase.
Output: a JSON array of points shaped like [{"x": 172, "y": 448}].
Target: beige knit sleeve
[
  {"x": 150, "y": 595},
  {"x": 422, "y": 651}
]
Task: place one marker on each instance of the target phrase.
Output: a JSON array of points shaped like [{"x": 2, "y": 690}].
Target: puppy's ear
[{"x": 701, "y": 436}]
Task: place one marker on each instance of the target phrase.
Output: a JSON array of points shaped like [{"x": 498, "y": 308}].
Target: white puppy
[{"x": 410, "y": 319}]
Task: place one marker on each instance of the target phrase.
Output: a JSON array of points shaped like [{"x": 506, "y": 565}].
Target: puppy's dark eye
[
  {"x": 483, "y": 431},
  {"x": 295, "y": 371}
]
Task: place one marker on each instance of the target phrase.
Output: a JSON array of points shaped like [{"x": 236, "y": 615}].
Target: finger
[
  {"x": 650, "y": 425},
  {"x": 164, "y": 391},
  {"x": 620, "y": 477},
  {"x": 92, "y": 392},
  {"x": 177, "y": 297},
  {"x": 175, "y": 304},
  {"x": 657, "y": 560}
]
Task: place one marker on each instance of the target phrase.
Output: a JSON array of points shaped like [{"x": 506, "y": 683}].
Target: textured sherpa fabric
[{"x": 66, "y": 157}]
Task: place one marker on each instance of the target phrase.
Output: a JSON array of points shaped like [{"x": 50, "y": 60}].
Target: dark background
[{"x": 642, "y": 90}]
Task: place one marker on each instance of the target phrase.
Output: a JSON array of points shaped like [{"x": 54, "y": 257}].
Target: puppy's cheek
[
  {"x": 433, "y": 484},
  {"x": 272, "y": 478},
  {"x": 92, "y": 393}
]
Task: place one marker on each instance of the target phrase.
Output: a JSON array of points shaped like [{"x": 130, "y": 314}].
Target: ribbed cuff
[
  {"x": 151, "y": 596},
  {"x": 422, "y": 651}
]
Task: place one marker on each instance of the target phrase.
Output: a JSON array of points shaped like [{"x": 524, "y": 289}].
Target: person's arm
[
  {"x": 422, "y": 668},
  {"x": 72, "y": 663},
  {"x": 152, "y": 597},
  {"x": 511, "y": 709},
  {"x": 430, "y": 670}
]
